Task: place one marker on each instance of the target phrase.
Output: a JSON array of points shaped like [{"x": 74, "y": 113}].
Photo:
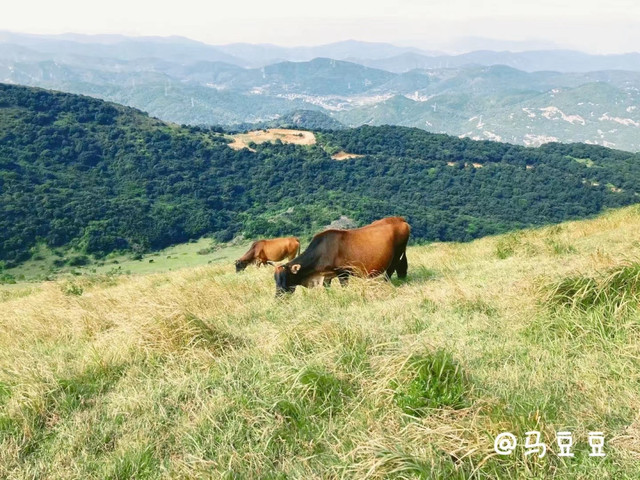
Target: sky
[{"x": 596, "y": 26}]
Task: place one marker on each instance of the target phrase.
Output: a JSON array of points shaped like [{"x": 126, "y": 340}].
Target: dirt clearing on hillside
[
  {"x": 345, "y": 156},
  {"x": 297, "y": 137}
]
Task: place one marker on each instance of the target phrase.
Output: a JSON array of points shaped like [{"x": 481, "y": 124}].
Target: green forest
[{"x": 98, "y": 177}]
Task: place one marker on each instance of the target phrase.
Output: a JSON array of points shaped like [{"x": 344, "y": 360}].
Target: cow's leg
[
  {"x": 390, "y": 270},
  {"x": 394, "y": 264},
  {"x": 343, "y": 277},
  {"x": 402, "y": 265},
  {"x": 262, "y": 259}
]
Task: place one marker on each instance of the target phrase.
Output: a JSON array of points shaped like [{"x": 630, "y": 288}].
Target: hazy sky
[{"x": 591, "y": 25}]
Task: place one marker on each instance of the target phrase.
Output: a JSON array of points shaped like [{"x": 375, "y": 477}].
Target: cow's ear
[{"x": 295, "y": 268}]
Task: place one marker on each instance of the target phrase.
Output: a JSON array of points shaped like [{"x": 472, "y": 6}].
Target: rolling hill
[{"x": 83, "y": 174}]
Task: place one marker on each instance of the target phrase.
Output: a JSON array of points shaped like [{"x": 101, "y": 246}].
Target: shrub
[
  {"x": 71, "y": 288},
  {"x": 436, "y": 380},
  {"x": 59, "y": 262},
  {"x": 79, "y": 261},
  {"x": 7, "y": 278}
]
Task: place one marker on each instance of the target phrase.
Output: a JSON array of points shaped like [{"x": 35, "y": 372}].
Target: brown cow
[
  {"x": 268, "y": 251},
  {"x": 367, "y": 251}
]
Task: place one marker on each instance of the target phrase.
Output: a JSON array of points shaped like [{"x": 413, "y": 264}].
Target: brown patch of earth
[{"x": 297, "y": 137}]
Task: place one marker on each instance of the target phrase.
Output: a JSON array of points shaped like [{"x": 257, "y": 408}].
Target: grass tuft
[
  {"x": 322, "y": 391},
  {"x": 5, "y": 393},
  {"x": 613, "y": 290},
  {"x": 507, "y": 245},
  {"x": 436, "y": 380},
  {"x": 138, "y": 463},
  {"x": 72, "y": 289},
  {"x": 186, "y": 331},
  {"x": 475, "y": 305},
  {"x": 558, "y": 247}
]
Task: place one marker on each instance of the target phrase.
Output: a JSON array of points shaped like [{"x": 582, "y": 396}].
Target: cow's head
[
  {"x": 240, "y": 265},
  {"x": 287, "y": 278}
]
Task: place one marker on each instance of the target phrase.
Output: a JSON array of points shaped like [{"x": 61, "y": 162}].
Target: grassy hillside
[
  {"x": 47, "y": 264},
  {"x": 203, "y": 373}
]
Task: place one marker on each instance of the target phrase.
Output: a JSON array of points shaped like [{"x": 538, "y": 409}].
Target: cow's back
[
  {"x": 279, "y": 248},
  {"x": 368, "y": 250}
]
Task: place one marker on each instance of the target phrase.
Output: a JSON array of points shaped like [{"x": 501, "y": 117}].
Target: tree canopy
[{"x": 81, "y": 172}]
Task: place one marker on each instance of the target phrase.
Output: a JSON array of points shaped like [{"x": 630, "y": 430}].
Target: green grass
[
  {"x": 435, "y": 381},
  {"x": 202, "y": 373},
  {"x": 172, "y": 258}
]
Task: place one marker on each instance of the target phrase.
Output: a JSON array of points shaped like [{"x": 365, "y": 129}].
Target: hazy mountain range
[{"x": 527, "y": 97}]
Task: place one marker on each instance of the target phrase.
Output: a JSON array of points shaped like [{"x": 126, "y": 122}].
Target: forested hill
[{"x": 80, "y": 172}]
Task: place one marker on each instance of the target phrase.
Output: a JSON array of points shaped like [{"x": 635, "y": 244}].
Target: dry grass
[
  {"x": 297, "y": 137},
  {"x": 203, "y": 373}
]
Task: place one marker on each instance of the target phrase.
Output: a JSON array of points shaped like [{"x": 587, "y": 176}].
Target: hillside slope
[
  {"x": 79, "y": 172},
  {"x": 202, "y": 372}
]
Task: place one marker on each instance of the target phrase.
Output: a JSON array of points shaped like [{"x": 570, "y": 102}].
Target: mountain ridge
[{"x": 445, "y": 100}]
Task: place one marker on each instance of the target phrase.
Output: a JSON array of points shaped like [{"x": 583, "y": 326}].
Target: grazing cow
[
  {"x": 367, "y": 251},
  {"x": 269, "y": 251}
]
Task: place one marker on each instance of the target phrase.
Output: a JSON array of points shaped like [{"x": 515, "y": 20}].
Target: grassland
[
  {"x": 202, "y": 373},
  {"x": 192, "y": 254}
]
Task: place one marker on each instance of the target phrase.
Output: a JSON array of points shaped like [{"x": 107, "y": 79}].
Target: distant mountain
[
  {"x": 298, "y": 119},
  {"x": 473, "y": 100},
  {"x": 530, "y": 61},
  {"x": 503, "y": 104},
  {"x": 472, "y": 44},
  {"x": 173, "y": 49},
  {"x": 263, "y": 54},
  {"x": 184, "y": 50}
]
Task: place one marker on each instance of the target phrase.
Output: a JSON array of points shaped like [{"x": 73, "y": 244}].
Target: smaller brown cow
[{"x": 269, "y": 251}]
